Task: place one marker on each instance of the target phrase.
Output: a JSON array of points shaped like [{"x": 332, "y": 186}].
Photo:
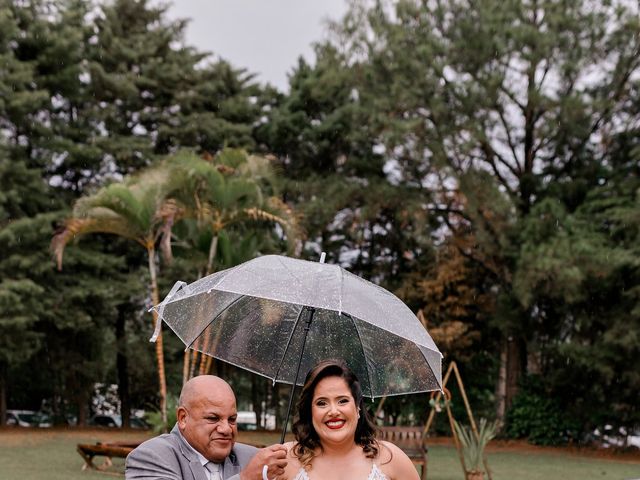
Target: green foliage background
[{"x": 479, "y": 159}]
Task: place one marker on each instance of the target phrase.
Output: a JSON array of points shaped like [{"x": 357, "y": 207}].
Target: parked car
[
  {"x": 44, "y": 420},
  {"x": 246, "y": 420},
  {"x": 28, "y": 418},
  {"x": 21, "y": 418},
  {"x": 115, "y": 421},
  {"x": 610, "y": 437}
]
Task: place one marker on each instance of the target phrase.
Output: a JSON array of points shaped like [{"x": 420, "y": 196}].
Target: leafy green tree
[
  {"x": 350, "y": 203},
  {"x": 25, "y": 197},
  {"x": 146, "y": 207},
  {"x": 530, "y": 92},
  {"x": 48, "y": 158},
  {"x": 54, "y": 320},
  {"x": 230, "y": 188},
  {"x": 87, "y": 93},
  {"x": 220, "y": 194},
  {"x": 582, "y": 267},
  {"x": 144, "y": 94},
  {"x": 139, "y": 210}
]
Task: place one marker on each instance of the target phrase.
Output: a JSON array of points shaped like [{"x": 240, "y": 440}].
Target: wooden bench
[
  {"x": 410, "y": 440},
  {"x": 108, "y": 450}
]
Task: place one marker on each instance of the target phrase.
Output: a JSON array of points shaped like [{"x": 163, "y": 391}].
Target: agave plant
[{"x": 473, "y": 445}]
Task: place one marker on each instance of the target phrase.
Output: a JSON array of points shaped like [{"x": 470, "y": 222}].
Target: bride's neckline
[{"x": 374, "y": 474}]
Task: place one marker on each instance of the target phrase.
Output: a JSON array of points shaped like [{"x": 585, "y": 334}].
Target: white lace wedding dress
[{"x": 375, "y": 474}]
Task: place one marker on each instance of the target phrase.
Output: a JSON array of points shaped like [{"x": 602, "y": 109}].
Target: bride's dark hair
[{"x": 307, "y": 439}]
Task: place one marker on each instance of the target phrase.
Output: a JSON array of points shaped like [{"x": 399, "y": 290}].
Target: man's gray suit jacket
[{"x": 169, "y": 457}]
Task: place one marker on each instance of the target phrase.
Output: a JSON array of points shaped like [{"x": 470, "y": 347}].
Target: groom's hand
[{"x": 274, "y": 457}]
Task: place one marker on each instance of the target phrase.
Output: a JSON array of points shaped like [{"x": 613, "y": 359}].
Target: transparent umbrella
[{"x": 279, "y": 316}]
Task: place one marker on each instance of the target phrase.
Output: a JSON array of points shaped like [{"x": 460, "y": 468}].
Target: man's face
[{"x": 208, "y": 423}]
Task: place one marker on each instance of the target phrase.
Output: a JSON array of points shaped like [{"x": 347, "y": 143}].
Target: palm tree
[
  {"x": 212, "y": 193},
  {"x": 229, "y": 189},
  {"x": 139, "y": 209}
]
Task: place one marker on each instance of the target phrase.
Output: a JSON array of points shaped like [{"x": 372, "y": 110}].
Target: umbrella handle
[{"x": 264, "y": 473}]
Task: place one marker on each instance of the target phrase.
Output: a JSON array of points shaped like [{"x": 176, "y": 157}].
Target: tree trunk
[
  {"x": 275, "y": 404},
  {"x": 122, "y": 365},
  {"x": 256, "y": 399},
  {"x": 83, "y": 408},
  {"x": 155, "y": 298},
  {"x": 267, "y": 394},
  {"x": 185, "y": 366},
  {"x": 213, "y": 248},
  {"x": 189, "y": 363},
  {"x": 206, "y": 364},
  {"x": 515, "y": 368},
  {"x": 508, "y": 375},
  {"x": 501, "y": 386},
  {"x": 3, "y": 393},
  {"x": 165, "y": 239}
]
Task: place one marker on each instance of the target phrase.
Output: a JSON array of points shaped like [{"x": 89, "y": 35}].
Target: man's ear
[{"x": 181, "y": 415}]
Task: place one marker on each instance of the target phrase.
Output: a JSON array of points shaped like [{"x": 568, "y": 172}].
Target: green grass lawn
[
  {"x": 444, "y": 465},
  {"x": 50, "y": 454}
]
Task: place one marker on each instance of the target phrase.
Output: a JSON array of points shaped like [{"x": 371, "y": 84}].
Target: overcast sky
[{"x": 264, "y": 36}]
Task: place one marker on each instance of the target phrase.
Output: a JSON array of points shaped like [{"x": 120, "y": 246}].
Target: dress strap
[
  {"x": 376, "y": 473},
  {"x": 302, "y": 475}
]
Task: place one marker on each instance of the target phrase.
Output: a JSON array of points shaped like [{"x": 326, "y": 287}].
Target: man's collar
[{"x": 199, "y": 456}]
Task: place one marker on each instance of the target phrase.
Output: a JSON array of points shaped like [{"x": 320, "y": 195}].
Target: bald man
[{"x": 202, "y": 444}]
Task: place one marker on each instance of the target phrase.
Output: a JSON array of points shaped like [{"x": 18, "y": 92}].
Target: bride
[{"x": 335, "y": 437}]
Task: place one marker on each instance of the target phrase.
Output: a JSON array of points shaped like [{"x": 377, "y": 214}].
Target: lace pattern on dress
[{"x": 376, "y": 474}]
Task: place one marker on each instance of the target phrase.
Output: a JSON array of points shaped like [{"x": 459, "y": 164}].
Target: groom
[{"x": 202, "y": 445}]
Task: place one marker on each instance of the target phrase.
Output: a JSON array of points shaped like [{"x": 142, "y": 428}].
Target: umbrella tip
[{"x": 323, "y": 255}]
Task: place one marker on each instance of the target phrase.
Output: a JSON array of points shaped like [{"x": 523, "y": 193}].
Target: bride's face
[{"x": 333, "y": 411}]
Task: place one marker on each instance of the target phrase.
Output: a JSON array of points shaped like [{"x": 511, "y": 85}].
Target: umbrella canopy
[{"x": 276, "y": 315}]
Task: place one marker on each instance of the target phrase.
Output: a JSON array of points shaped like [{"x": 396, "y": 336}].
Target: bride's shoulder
[
  {"x": 394, "y": 462},
  {"x": 293, "y": 463},
  {"x": 386, "y": 451},
  {"x": 290, "y": 446}
]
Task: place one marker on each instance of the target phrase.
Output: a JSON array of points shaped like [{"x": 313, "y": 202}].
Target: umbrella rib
[
  {"x": 284, "y": 354},
  {"x": 231, "y": 304},
  {"x": 429, "y": 365},
  {"x": 363, "y": 354}
]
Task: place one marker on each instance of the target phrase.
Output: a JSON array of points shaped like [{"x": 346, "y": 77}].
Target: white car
[
  {"x": 621, "y": 438},
  {"x": 247, "y": 420},
  {"x": 116, "y": 421},
  {"x": 27, "y": 418}
]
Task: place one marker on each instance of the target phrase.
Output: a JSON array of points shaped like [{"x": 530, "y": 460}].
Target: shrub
[
  {"x": 154, "y": 418},
  {"x": 539, "y": 418}
]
